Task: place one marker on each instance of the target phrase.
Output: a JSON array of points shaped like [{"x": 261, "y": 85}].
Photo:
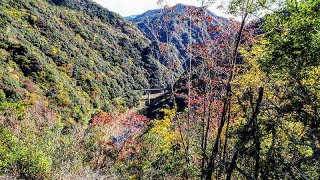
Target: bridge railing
[{"x": 152, "y": 91}]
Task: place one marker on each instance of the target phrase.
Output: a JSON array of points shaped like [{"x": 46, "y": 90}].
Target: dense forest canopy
[
  {"x": 241, "y": 98},
  {"x": 77, "y": 56}
]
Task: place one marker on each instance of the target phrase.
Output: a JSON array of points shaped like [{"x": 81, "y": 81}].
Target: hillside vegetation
[
  {"x": 243, "y": 102},
  {"x": 68, "y": 68},
  {"x": 73, "y": 55},
  {"x": 170, "y": 25}
]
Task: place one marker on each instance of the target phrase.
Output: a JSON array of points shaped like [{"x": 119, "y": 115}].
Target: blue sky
[{"x": 133, "y": 7}]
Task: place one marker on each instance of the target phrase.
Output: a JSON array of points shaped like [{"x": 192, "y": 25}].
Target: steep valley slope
[
  {"x": 169, "y": 29},
  {"x": 74, "y": 56}
]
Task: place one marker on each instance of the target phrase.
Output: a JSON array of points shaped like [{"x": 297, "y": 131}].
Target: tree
[
  {"x": 292, "y": 63},
  {"x": 293, "y": 54}
]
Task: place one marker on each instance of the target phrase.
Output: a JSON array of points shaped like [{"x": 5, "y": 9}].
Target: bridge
[{"x": 149, "y": 92}]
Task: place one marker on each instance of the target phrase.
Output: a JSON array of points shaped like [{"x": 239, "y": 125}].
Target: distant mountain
[
  {"x": 73, "y": 55},
  {"x": 154, "y": 26},
  {"x": 131, "y": 17}
]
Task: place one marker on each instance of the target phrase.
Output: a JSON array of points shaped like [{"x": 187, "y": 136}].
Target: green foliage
[
  {"x": 248, "y": 7},
  {"x": 293, "y": 60},
  {"x": 2, "y": 96},
  {"x": 285, "y": 61},
  {"x": 22, "y": 160},
  {"x": 162, "y": 155},
  {"x": 18, "y": 109},
  {"x": 294, "y": 38},
  {"x": 283, "y": 136},
  {"x": 65, "y": 61},
  {"x": 67, "y": 49},
  {"x": 38, "y": 145}
]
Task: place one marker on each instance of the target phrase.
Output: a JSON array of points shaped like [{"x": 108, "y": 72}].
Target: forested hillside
[
  {"x": 241, "y": 97},
  {"x": 73, "y": 55},
  {"x": 170, "y": 25},
  {"x": 63, "y": 65}
]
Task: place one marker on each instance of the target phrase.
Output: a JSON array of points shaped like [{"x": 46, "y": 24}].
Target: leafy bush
[{"x": 23, "y": 161}]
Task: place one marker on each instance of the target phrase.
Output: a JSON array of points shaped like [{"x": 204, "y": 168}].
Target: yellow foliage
[
  {"x": 69, "y": 122},
  {"x": 311, "y": 80},
  {"x": 14, "y": 13},
  {"x": 9, "y": 69},
  {"x": 15, "y": 76},
  {"x": 42, "y": 75},
  {"x": 162, "y": 129},
  {"x": 305, "y": 150},
  {"x": 91, "y": 61},
  {"x": 4, "y": 54},
  {"x": 84, "y": 77},
  {"x": 78, "y": 37},
  {"x": 54, "y": 50},
  {"x": 34, "y": 18},
  {"x": 250, "y": 75},
  {"x": 32, "y": 99},
  {"x": 63, "y": 98},
  {"x": 112, "y": 73},
  {"x": 133, "y": 177}
]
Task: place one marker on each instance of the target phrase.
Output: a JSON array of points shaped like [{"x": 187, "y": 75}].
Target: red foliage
[
  {"x": 135, "y": 123},
  {"x": 100, "y": 119},
  {"x": 209, "y": 19},
  {"x": 162, "y": 48}
]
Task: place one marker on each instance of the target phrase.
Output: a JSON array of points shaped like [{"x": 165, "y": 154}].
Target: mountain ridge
[{"x": 153, "y": 26}]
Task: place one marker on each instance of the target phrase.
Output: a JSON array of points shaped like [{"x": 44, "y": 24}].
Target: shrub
[
  {"x": 2, "y": 96},
  {"x": 20, "y": 160}
]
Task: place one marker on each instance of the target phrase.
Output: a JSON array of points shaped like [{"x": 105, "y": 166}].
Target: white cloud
[{"x": 133, "y": 7}]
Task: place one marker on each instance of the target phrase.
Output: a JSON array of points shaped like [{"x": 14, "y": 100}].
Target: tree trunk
[{"x": 253, "y": 118}]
